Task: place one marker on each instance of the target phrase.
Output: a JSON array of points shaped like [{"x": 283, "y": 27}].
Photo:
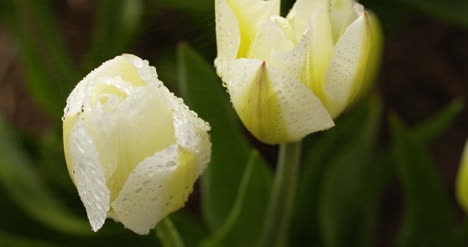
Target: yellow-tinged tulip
[
  {"x": 462, "y": 180},
  {"x": 289, "y": 77},
  {"x": 133, "y": 149}
]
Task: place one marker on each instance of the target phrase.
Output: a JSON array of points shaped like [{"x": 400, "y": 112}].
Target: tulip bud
[
  {"x": 133, "y": 149},
  {"x": 289, "y": 77},
  {"x": 462, "y": 180}
]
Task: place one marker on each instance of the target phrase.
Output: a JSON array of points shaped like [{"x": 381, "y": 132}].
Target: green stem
[
  {"x": 168, "y": 234},
  {"x": 282, "y": 198}
]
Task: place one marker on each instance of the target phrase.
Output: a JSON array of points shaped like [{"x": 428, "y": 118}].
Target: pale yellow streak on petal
[
  {"x": 250, "y": 15},
  {"x": 320, "y": 51},
  {"x": 68, "y": 123}
]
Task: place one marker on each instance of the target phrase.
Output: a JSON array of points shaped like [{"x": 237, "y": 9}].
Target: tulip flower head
[
  {"x": 289, "y": 77},
  {"x": 462, "y": 180},
  {"x": 133, "y": 149}
]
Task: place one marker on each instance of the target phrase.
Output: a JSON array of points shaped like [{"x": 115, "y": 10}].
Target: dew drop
[{"x": 170, "y": 164}]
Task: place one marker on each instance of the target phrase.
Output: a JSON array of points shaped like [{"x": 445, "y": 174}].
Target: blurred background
[{"x": 398, "y": 192}]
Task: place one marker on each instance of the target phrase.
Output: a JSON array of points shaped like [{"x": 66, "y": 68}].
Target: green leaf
[
  {"x": 50, "y": 158},
  {"x": 349, "y": 192},
  {"x": 245, "y": 221},
  {"x": 189, "y": 227},
  {"x": 335, "y": 194},
  {"x": 168, "y": 234},
  {"x": 20, "y": 241},
  {"x": 429, "y": 218},
  {"x": 202, "y": 91},
  {"x": 50, "y": 72},
  {"x": 116, "y": 25},
  {"x": 437, "y": 124},
  {"x": 453, "y": 11},
  {"x": 28, "y": 190}
]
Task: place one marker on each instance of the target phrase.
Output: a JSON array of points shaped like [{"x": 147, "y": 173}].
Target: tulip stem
[
  {"x": 282, "y": 197},
  {"x": 168, "y": 234}
]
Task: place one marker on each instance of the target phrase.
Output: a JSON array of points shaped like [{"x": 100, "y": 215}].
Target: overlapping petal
[{"x": 273, "y": 105}]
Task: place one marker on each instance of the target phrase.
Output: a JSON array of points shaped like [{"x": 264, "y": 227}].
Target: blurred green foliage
[
  {"x": 344, "y": 172},
  {"x": 429, "y": 218}
]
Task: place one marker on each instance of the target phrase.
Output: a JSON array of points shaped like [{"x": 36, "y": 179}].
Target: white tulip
[
  {"x": 289, "y": 77},
  {"x": 133, "y": 149}
]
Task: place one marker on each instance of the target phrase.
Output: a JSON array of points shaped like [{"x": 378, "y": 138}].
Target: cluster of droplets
[
  {"x": 88, "y": 175},
  {"x": 147, "y": 196}
]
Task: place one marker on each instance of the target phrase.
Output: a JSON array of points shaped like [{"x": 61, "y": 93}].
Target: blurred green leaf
[
  {"x": 349, "y": 192},
  {"x": 168, "y": 234},
  {"x": 245, "y": 221},
  {"x": 429, "y": 218},
  {"x": 341, "y": 179},
  {"x": 49, "y": 69},
  {"x": 116, "y": 25},
  {"x": 29, "y": 191},
  {"x": 202, "y": 91},
  {"x": 50, "y": 160},
  {"x": 189, "y": 227},
  {"x": 9, "y": 240},
  {"x": 166, "y": 65},
  {"x": 437, "y": 124},
  {"x": 453, "y": 11}
]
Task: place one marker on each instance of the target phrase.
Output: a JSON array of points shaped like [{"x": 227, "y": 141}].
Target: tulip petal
[
  {"x": 157, "y": 187},
  {"x": 309, "y": 60},
  {"x": 303, "y": 112},
  {"x": 300, "y": 14},
  {"x": 346, "y": 72},
  {"x": 274, "y": 106},
  {"x": 87, "y": 173},
  {"x": 275, "y": 29},
  {"x": 462, "y": 180},
  {"x": 375, "y": 54},
  {"x": 190, "y": 131},
  {"x": 342, "y": 14},
  {"x": 191, "y": 134},
  {"x": 227, "y": 30},
  {"x": 320, "y": 50},
  {"x": 250, "y": 15},
  {"x": 292, "y": 62},
  {"x": 141, "y": 129}
]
